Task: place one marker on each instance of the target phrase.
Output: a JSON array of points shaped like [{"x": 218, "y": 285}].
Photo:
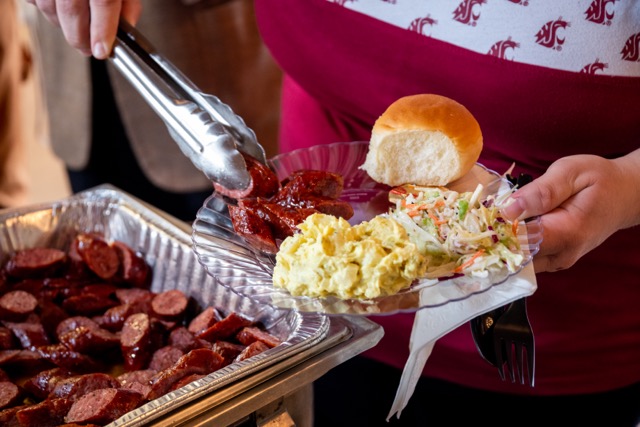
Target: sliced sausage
[
  {"x": 309, "y": 183},
  {"x": 170, "y": 305},
  {"x": 103, "y": 406},
  {"x": 134, "y": 269},
  {"x": 204, "y": 320},
  {"x": 36, "y": 262},
  {"x": 43, "y": 383},
  {"x": 134, "y": 295},
  {"x": 77, "y": 386},
  {"x": 7, "y": 339},
  {"x": 251, "y": 334},
  {"x": 90, "y": 340},
  {"x": 186, "y": 341},
  {"x": 186, "y": 380},
  {"x": 228, "y": 350},
  {"x": 16, "y": 306},
  {"x": 137, "y": 342},
  {"x": 8, "y": 416},
  {"x": 113, "y": 318},
  {"x": 338, "y": 208},
  {"x": 10, "y": 394},
  {"x": 143, "y": 377},
  {"x": 225, "y": 328},
  {"x": 165, "y": 357},
  {"x": 255, "y": 230},
  {"x": 251, "y": 350},
  {"x": 98, "y": 255},
  {"x": 86, "y": 304},
  {"x": 29, "y": 335},
  {"x": 200, "y": 361},
  {"x": 50, "y": 412},
  {"x": 74, "y": 322},
  {"x": 263, "y": 181},
  {"x": 61, "y": 356}
]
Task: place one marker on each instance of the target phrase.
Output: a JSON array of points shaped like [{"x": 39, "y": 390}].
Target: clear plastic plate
[{"x": 248, "y": 272}]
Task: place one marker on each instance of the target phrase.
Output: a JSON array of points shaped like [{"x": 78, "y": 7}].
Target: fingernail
[
  {"x": 100, "y": 50},
  {"x": 513, "y": 211}
]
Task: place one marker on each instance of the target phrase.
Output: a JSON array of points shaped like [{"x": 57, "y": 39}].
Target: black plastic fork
[{"x": 513, "y": 331}]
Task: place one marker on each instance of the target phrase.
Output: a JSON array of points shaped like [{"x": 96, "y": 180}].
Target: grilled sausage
[
  {"x": 200, "y": 361},
  {"x": 50, "y": 412},
  {"x": 263, "y": 182},
  {"x": 103, "y": 406},
  {"x": 36, "y": 263},
  {"x": 16, "y": 306},
  {"x": 10, "y": 394},
  {"x": 170, "y": 305},
  {"x": 253, "y": 229},
  {"x": 78, "y": 385},
  {"x": 134, "y": 270},
  {"x": 225, "y": 328},
  {"x": 43, "y": 383},
  {"x": 98, "y": 255}
]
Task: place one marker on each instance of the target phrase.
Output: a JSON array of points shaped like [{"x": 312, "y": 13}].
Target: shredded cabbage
[{"x": 458, "y": 233}]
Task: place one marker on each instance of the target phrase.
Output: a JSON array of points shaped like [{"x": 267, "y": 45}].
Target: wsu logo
[
  {"x": 631, "y": 49},
  {"x": 594, "y": 67},
  {"x": 341, "y": 2},
  {"x": 500, "y": 49},
  {"x": 464, "y": 12},
  {"x": 599, "y": 13},
  {"x": 419, "y": 25},
  {"x": 548, "y": 34}
]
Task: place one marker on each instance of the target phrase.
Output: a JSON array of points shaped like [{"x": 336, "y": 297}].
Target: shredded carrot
[
  {"x": 470, "y": 261},
  {"x": 514, "y": 227},
  {"x": 437, "y": 221}
]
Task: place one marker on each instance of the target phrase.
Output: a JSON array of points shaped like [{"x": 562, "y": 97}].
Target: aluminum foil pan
[{"x": 167, "y": 246}]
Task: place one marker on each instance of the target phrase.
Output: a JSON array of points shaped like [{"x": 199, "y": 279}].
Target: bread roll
[{"x": 426, "y": 139}]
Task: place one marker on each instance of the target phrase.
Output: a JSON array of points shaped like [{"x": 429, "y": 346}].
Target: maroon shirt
[{"x": 343, "y": 70}]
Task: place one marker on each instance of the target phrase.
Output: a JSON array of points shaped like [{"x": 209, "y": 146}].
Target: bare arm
[
  {"x": 90, "y": 25},
  {"x": 582, "y": 200}
]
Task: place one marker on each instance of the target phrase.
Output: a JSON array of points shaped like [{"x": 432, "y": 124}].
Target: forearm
[{"x": 629, "y": 167}]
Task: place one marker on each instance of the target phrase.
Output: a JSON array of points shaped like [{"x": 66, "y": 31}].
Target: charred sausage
[
  {"x": 103, "y": 406},
  {"x": 36, "y": 263},
  {"x": 263, "y": 181}
]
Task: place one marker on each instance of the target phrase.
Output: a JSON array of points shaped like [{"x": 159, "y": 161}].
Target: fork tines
[{"x": 504, "y": 355}]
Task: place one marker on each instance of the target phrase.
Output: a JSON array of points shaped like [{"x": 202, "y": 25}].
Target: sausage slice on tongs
[{"x": 207, "y": 131}]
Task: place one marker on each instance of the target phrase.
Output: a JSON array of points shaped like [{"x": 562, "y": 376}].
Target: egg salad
[{"x": 329, "y": 257}]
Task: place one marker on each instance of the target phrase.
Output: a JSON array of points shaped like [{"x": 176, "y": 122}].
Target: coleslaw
[{"x": 458, "y": 233}]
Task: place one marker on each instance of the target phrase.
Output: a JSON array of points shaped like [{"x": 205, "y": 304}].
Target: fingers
[
  {"x": 48, "y": 9},
  {"x": 105, "y": 16},
  {"x": 542, "y": 195},
  {"x": 104, "y": 25},
  {"x": 90, "y": 26},
  {"x": 74, "y": 17}
]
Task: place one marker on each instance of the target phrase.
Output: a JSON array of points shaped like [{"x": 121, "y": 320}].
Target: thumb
[{"x": 540, "y": 196}]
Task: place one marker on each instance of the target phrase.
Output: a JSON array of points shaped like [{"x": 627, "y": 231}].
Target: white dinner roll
[{"x": 425, "y": 139}]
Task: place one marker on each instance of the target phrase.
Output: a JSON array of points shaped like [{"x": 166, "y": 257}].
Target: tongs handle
[{"x": 207, "y": 131}]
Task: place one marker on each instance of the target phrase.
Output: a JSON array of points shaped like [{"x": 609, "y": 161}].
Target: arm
[
  {"x": 90, "y": 25},
  {"x": 582, "y": 200}
]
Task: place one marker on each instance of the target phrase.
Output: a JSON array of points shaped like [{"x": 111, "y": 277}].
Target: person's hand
[
  {"x": 582, "y": 200},
  {"x": 90, "y": 25}
]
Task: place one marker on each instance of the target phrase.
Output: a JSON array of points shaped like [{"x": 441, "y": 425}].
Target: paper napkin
[{"x": 432, "y": 323}]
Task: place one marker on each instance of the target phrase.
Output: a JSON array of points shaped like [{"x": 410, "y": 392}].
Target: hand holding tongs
[{"x": 207, "y": 131}]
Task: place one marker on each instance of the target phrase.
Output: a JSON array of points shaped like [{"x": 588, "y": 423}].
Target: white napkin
[{"x": 430, "y": 324}]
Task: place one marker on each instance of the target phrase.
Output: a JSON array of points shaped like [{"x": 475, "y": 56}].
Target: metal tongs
[{"x": 207, "y": 131}]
